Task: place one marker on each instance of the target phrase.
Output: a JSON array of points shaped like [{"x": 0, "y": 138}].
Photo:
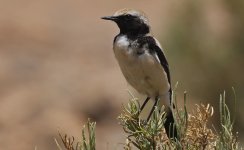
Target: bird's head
[{"x": 130, "y": 22}]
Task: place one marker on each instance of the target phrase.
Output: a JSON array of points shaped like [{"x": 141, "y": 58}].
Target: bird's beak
[{"x": 113, "y": 18}]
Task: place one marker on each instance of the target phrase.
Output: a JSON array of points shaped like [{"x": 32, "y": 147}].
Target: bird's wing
[{"x": 155, "y": 48}]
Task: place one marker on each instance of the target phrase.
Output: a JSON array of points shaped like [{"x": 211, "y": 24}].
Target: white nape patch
[{"x": 141, "y": 15}]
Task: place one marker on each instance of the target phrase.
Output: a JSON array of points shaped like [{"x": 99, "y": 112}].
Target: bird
[{"x": 143, "y": 63}]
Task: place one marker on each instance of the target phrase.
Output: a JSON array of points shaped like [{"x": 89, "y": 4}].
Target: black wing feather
[{"x": 154, "y": 48}]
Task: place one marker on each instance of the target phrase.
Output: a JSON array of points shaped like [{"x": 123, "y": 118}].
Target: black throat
[
  {"x": 132, "y": 26},
  {"x": 134, "y": 32}
]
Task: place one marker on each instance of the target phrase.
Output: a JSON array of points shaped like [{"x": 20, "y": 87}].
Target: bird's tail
[{"x": 169, "y": 124}]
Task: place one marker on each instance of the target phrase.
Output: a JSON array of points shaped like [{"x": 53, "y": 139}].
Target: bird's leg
[
  {"x": 155, "y": 103},
  {"x": 144, "y": 104}
]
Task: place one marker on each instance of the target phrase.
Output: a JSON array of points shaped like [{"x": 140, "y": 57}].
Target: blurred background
[{"x": 57, "y": 66}]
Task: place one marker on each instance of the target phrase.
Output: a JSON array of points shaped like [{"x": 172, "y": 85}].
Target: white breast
[
  {"x": 144, "y": 72},
  {"x": 122, "y": 42}
]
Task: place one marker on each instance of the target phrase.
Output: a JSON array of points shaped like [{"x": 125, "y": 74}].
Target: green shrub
[{"x": 193, "y": 128}]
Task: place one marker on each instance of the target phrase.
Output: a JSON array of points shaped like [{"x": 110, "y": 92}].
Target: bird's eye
[{"x": 128, "y": 15}]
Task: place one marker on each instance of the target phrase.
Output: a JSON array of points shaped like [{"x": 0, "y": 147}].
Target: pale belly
[{"x": 143, "y": 72}]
